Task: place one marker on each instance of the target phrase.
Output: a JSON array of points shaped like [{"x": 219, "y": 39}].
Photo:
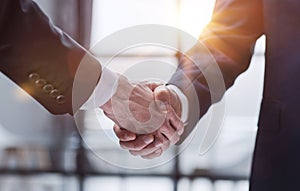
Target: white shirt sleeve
[
  {"x": 184, "y": 103},
  {"x": 104, "y": 90},
  {"x": 107, "y": 87}
]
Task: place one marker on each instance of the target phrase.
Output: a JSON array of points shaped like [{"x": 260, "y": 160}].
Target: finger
[
  {"x": 151, "y": 84},
  {"x": 166, "y": 97},
  {"x": 123, "y": 134},
  {"x": 153, "y": 155},
  {"x": 175, "y": 102},
  {"x": 162, "y": 97},
  {"x": 169, "y": 132},
  {"x": 174, "y": 126},
  {"x": 166, "y": 143},
  {"x": 139, "y": 143},
  {"x": 175, "y": 121},
  {"x": 141, "y": 95},
  {"x": 159, "y": 141},
  {"x": 145, "y": 151}
]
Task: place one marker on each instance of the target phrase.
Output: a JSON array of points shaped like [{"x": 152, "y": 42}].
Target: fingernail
[
  {"x": 148, "y": 139},
  {"x": 157, "y": 151},
  {"x": 180, "y": 132}
]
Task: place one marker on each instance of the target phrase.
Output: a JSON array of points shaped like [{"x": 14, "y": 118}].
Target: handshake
[{"x": 147, "y": 117}]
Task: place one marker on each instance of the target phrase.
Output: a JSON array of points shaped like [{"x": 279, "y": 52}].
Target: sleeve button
[
  {"x": 33, "y": 76},
  {"x": 54, "y": 93},
  {"x": 48, "y": 88},
  {"x": 40, "y": 82},
  {"x": 60, "y": 99}
]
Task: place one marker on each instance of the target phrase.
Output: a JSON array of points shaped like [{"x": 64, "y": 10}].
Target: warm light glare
[
  {"x": 21, "y": 95},
  {"x": 194, "y": 15},
  {"x": 188, "y": 15}
]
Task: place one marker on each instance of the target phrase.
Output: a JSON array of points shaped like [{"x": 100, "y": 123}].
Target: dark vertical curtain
[{"x": 74, "y": 17}]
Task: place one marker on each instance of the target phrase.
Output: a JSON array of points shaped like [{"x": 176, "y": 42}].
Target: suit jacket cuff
[{"x": 104, "y": 90}]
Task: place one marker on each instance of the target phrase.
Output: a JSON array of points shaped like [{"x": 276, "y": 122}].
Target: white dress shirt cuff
[
  {"x": 184, "y": 103},
  {"x": 104, "y": 90}
]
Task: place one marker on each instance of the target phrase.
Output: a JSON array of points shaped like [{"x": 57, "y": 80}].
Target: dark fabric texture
[
  {"x": 30, "y": 43},
  {"x": 230, "y": 36}
]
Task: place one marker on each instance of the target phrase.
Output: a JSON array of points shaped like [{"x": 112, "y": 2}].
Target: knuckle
[
  {"x": 117, "y": 130},
  {"x": 158, "y": 142},
  {"x": 142, "y": 152},
  {"x": 166, "y": 144},
  {"x": 146, "y": 157},
  {"x": 138, "y": 145},
  {"x": 168, "y": 132},
  {"x": 134, "y": 153},
  {"x": 175, "y": 139},
  {"x": 158, "y": 152},
  {"x": 129, "y": 145},
  {"x": 123, "y": 145},
  {"x": 164, "y": 129}
]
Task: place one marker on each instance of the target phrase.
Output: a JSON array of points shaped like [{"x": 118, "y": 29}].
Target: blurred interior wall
[{"x": 72, "y": 16}]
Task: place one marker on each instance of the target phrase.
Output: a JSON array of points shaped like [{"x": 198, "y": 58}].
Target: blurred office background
[{"x": 39, "y": 151}]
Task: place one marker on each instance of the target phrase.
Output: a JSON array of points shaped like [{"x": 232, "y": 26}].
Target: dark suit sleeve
[
  {"x": 39, "y": 57},
  {"x": 228, "y": 40}
]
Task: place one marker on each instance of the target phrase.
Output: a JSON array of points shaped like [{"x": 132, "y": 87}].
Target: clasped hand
[{"x": 147, "y": 117}]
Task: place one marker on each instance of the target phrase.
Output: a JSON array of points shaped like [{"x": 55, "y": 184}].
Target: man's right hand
[
  {"x": 152, "y": 145},
  {"x": 133, "y": 107}
]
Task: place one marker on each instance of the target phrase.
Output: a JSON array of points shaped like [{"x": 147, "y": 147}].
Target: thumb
[
  {"x": 152, "y": 84},
  {"x": 162, "y": 97},
  {"x": 166, "y": 98}
]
